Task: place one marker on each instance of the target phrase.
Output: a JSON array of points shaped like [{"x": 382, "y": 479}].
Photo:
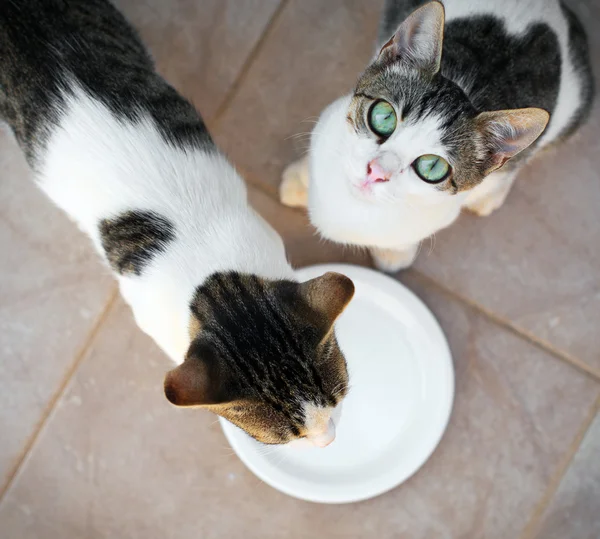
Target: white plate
[{"x": 402, "y": 388}]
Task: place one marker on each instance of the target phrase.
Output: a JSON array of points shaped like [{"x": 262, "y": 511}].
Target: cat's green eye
[
  {"x": 382, "y": 119},
  {"x": 431, "y": 168}
]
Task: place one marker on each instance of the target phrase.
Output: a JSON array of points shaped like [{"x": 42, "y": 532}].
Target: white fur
[
  {"x": 399, "y": 214},
  {"x": 97, "y": 166},
  {"x": 319, "y": 424}
]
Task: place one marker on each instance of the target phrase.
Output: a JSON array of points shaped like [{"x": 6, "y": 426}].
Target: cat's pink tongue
[{"x": 375, "y": 173}]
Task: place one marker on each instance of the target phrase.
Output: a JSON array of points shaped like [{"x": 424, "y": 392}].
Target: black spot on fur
[
  {"x": 133, "y": 239},
  {"x": 46, "y": 46}
]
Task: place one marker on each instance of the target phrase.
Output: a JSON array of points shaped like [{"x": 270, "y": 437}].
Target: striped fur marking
[{"x": 134, "y": 238}]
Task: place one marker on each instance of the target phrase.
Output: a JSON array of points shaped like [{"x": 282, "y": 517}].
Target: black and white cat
[
  {"x": 454, "y": 103},
  {"x": 132, "y": 163}
]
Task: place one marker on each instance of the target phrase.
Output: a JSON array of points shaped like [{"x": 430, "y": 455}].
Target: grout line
[
  {"x": 254, "y": 52},
  {"x": 538, "y": 512},
  {"x": 498, "y": 320},
  {"x": 513, "y": 328},
  {"x": 50, "y": 406}
]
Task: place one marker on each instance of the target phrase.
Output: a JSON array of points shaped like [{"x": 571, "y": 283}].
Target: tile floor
[{"x": 90, "y": 448}]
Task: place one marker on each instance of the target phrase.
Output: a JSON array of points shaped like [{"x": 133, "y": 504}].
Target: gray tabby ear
[
  {"x": 328, "y": 295},
  {"x": 508, "y": 132},
  {"x": 418, "y": 40}
]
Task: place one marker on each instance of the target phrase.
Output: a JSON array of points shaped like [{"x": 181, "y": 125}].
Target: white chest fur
[{"x": 341, "y": 216}]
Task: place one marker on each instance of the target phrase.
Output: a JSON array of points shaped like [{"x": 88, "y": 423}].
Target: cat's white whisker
[
  {"x": 298, "y": 135},
  {"x": 431, "y": 244}
]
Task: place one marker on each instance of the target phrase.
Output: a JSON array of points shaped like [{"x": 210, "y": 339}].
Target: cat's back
[
  {"x": 516, "y": 15},
  {"x": 48, "y": 48},
  {"x": 99, "y": 126},
  {"x": 518, "y": 54}
]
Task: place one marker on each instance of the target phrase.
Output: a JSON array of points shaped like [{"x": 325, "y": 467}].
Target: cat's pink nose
[{"x": 376, "y": 174}]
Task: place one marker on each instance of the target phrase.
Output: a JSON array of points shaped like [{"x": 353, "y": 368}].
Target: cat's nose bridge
[{"x": 389, "y": 162}]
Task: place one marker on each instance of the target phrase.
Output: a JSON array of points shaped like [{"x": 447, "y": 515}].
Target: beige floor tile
[
  {"x": 115, "y": 460},
  {"x": 574, "y": 512},
  {"x": 534, "y": 262},
  {"x": 302, "y": 246},
  {"x": 315, "y": 51},
  {"x": 200, "y": 45},
  {"x": 52, "y": 290}
]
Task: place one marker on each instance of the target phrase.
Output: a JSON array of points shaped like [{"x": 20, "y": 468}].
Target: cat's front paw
[
  {"x": 293, "y": 190},
  {"x": 393, "y": 260}
]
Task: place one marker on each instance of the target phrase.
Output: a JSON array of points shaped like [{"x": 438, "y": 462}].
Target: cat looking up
[{"x": 457, "y": 99}]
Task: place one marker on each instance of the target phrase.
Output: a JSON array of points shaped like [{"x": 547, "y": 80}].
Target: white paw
[
  {"x": 293, "y": 190},
  {"x": 392, "y": 260}
]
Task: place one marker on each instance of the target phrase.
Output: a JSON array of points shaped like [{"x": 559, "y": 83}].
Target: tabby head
[
  {"x": 264, "y": 355},
  {"x": 415, "y": 132}
]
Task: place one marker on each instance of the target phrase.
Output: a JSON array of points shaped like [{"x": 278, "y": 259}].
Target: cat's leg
[
  {"x": 490, "y": 194},
  {"x": 393, "y": 260},
  {"x": 293, "y": 190}
]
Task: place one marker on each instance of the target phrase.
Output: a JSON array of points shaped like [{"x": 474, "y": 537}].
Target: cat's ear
[
  {"x": 328, "y": 295},
  {"x": 508, "y": 132},
  {"x": 418, "y": 40},
  {"x": 198, "y": 381}
]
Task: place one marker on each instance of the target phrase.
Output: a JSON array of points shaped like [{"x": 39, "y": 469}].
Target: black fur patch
[
  {"x": 47, "y": 45},
  {"x": 580, "y": 56},
  {"x": 133, "y": 239},
  {"x": 506, "y": 72}
]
